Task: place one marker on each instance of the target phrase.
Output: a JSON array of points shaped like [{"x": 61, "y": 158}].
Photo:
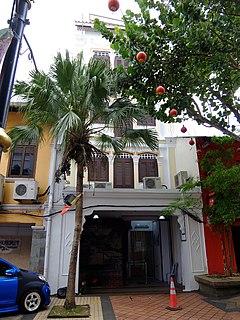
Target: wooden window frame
[
  {"x": 149, "y": 163},
  {"x": 98, "y": 162},
  {"x": 119, "y": 60},
  {"x": 23, "y": 159},
  {"x": 124, "y": 158}
]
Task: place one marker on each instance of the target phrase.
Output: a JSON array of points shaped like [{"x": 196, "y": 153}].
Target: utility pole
[{"x": 9, "y": 67}]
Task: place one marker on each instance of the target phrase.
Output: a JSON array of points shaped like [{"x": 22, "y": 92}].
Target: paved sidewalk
[
  {"x": 148, "y": 307},
  {"x": 153, "y": 307}
]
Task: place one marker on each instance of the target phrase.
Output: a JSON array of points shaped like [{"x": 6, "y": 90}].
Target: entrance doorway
[
  {"x": 149, "y": 251},
  {"x": 140, "y": 262}
]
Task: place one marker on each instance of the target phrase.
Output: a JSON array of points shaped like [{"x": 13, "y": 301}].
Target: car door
[{"x": 8, "y": 286}]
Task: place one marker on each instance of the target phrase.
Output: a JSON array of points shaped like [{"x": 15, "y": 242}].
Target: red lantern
[
  {"x": 173, "y": 113},
  {"x": 183, "y": 129},
  {"x": 238, "y": 150},
  {"x": 191, "y": 142},
  {"x": 113, "y": 5},
  {"x": 141, "y": 57},
  {"x": 160, "y": 90}
]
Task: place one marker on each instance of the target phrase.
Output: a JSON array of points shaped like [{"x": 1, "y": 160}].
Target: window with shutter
[
  {"x": 98, "y": 170},
  {"x": 23, "y": 161},
  {"x": 119, "y": 60},
  {"x": 147, "y": 166},
  {"x": 123, "y": 171},
  {"x": 102, "y": 55}
]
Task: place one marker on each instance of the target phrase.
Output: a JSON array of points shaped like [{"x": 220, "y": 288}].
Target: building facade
[
  {"x": 24, "y": 187},
  {"x": 123, "y": 238}
]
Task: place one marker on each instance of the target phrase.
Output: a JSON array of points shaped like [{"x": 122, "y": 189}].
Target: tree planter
[{"x": 218, "y": 286}]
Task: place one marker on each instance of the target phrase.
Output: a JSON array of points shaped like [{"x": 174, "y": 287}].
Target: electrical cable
[
  {"x": 31, "y": 53},
  {"x": 106, "y": 206}
]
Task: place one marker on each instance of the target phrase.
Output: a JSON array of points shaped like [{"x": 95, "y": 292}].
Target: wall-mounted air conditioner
[
  {"x": 103, "y": 185},
  {"x": 25, "y": 190},
  {"x": 87, "y": 186},
  {"x": 180, "y": 178},
  {"x": 1, "y": 187},
  {"x": 152, "y": 183}
]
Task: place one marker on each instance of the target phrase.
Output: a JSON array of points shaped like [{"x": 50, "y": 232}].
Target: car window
[{"x": 3, "y": 267}]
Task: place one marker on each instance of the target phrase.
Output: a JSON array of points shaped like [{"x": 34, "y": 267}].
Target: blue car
[{"x": 22, "y": 290}]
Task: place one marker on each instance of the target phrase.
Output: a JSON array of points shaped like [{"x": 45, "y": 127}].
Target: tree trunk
[{"x": 70, "y": 297}]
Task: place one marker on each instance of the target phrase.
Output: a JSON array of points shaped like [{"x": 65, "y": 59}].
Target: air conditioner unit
[
  {"x": 25, "y": 190},
  {"x": 103, "y": 185},
  {"x": 87, "y": 186},
  {"x": 180, "y": 178},
  {"x": 152, "y": 183},
  {"x": 1, "y": 187}
]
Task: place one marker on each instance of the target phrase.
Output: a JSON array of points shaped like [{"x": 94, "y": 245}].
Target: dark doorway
[
  {"x": 236, "y": 245},
  {"x": 103, "y": 253},
  {"x": 140, "y": 264}
]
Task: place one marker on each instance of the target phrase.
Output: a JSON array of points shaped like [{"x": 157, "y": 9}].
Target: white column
[
  {"x": 193, "y": 251},
  {"x": 135, "y": 171}
]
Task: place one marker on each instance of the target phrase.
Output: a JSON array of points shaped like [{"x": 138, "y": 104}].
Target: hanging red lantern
[
  {"x": 113, "y": 5},
  {"x": 173, "y": 113},
  {"x": 141, "y": 57},
  {"x": 183, "y": 129},
  {"x": 191, "y": 142},
  {"x": 160, "y": 90}
]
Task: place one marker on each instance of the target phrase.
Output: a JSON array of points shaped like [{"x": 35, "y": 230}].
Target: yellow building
[{"x": 23, "y": 191}]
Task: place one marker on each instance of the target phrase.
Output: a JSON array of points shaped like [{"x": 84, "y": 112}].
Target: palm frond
[
  {"x": 122, "y": 109},
  {"x": 26, "y": 135},
  {"x": 140, "y": 137},
  {"x": 70, "y": 123},
  {"x": 105, "y": 142},
  {"x": 63, "y": 71}
]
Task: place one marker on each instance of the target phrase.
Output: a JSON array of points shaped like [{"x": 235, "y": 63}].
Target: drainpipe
[{"x": 51, "y": 180}]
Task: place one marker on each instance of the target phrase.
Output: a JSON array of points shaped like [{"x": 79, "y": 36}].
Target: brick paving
[
  {"x": 153, "y": 307},
  {"x": 147, "y": 307}
]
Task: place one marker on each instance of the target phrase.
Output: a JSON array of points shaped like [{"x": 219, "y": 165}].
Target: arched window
[
  {"x": 98, "y": 170},
  {"x": 102, "y": 55},
  {"x": 147, "y": 166},
  {"x": 123, "y": 171},
  {"x": 119, "y": 60}
]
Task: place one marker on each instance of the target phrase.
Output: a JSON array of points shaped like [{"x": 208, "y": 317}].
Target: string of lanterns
[{"x": 141, "y": 57}]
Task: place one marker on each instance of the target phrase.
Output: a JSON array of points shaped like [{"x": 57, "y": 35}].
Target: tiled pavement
[
  {"x": 148, "y": 307},
  {"x": 153, "y": 307}
]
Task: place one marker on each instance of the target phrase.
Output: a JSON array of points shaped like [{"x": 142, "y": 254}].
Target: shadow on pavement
[{"x": 226, "y": 304}]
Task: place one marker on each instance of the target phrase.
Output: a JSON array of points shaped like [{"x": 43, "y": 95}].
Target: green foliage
[
  {"x": 192, "y": 50},
  {"x": 188, "y": 203},
  {"x": 68, "y": 100},
  {"x": 224, "y": 183}
]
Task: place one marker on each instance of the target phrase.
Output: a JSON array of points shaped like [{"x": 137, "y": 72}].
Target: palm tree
[{"x": 68, "y": 100}]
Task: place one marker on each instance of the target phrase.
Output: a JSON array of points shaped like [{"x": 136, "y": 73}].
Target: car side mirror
[{"x": 11, "y": 272}]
